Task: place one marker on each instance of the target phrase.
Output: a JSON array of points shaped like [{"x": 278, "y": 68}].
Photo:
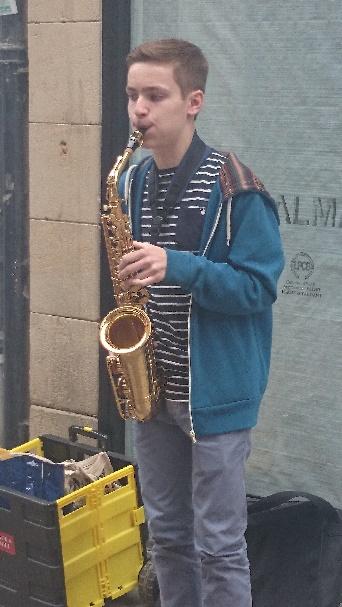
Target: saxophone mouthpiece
[{"x": 135, "y": 140}]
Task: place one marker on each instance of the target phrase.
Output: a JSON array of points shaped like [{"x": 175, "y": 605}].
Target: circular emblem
[{"x": 302, "y": 266}]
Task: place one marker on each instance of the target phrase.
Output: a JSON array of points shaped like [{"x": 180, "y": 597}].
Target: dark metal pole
[
  {"x": 116, "y": 35},
  {"x": 14, "y": 223}
]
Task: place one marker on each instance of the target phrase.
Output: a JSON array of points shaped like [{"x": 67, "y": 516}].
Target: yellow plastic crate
[{"x": 100, "y": 539}]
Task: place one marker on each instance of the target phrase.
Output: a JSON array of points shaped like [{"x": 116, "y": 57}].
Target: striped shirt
[{"x": 169, "y": 306}]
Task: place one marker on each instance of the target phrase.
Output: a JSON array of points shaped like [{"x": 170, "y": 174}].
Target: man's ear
[{"x": 196, "y": 100}]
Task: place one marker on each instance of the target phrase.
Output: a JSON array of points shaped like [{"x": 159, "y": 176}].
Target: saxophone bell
[{"x": 126, "y": 334}]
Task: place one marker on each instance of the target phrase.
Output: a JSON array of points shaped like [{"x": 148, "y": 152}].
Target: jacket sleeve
[{"x": 247, "y": 282}]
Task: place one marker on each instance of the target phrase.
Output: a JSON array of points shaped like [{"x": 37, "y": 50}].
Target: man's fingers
[
  {"x": 144, "y": 266},
  {"x": 140, "y": 245},
  {"x": 138, "y": 282},
  {"x": 145, "y": 278},
  {"x": 131, "y": 269},
  {"x": 130, "y": 258}
]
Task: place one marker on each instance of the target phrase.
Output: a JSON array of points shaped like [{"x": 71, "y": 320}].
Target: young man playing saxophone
[{"x": 207, "y": 245}]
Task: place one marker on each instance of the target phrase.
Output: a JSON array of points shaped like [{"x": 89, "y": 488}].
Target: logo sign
[
  {"x": 7, "y": 543},
  {"x": 302, "y": 266}
]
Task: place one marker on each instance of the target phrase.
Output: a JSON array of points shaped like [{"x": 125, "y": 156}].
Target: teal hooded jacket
[{"x": 233, "y": 282}]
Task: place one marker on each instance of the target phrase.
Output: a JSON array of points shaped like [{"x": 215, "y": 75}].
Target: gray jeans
[{"x": 195, "y": 502}]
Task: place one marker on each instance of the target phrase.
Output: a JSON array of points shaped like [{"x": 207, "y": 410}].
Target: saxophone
[{"x": 126, "y": 331}]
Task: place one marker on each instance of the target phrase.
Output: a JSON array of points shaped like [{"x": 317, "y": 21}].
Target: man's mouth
[{"x": 142, "y": 128}]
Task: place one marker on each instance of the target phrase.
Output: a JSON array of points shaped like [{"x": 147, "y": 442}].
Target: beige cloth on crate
[{"x": 81, "y": 473}]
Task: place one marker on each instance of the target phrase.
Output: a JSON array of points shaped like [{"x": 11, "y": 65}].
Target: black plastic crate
[{"x": 33, "y": 570}]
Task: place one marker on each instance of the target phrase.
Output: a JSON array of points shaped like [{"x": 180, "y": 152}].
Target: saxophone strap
[{"x": 188, "y": 167}]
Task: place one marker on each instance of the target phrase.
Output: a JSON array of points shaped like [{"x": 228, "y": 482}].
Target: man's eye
[
  {"x": 132, "y": 96},
  {"x": 156, "y": 97}
]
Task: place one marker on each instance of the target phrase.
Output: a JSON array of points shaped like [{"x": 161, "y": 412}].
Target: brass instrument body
[{"x": 126, "y": 331}]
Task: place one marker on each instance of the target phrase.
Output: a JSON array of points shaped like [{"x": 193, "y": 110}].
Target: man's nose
[{"x": 141, "y": 107}]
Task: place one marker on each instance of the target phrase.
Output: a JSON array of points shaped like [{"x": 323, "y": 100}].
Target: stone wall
[{"x": 64, "y": 45}]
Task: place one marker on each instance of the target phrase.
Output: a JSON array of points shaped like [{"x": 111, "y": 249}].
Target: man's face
[{"x": 156, "y": 105}]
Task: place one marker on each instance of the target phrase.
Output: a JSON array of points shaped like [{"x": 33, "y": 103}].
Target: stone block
[
  {"x": 65, "y": 72},
  {"x": 65, "y": 172},
  {"x": 53, "y": 421},
  {"x": 63, "y": 10},
  {"x": 64, "y": 269},
  {"x": 64, "y": 363}
]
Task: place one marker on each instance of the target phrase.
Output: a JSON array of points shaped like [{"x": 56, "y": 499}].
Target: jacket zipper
[
  {"x": 192, "y": 431},
  {"x": 213, "y": 229}
]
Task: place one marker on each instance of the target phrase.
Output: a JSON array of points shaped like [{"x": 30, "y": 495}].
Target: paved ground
[{"x": 129, "y": 600}]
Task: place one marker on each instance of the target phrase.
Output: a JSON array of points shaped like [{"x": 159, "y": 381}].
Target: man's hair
[{"x": 190, "y": 65}]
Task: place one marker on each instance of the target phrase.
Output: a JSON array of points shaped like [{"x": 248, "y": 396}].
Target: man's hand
[{"x": 144, "y": 266}]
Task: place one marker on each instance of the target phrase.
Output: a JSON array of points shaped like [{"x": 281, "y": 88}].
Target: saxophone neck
[{"x": 135, "y": 141}]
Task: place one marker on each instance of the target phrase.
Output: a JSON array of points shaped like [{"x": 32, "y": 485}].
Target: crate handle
[
  {"x": 138, "y": 515},
  {"x": 75, "y": 431}
]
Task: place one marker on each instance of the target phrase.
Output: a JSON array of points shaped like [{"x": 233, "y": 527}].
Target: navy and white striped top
[{"x": 168, "y": 307}]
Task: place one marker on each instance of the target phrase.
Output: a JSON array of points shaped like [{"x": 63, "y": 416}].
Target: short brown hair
[{"x": 190, "y": 65}]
